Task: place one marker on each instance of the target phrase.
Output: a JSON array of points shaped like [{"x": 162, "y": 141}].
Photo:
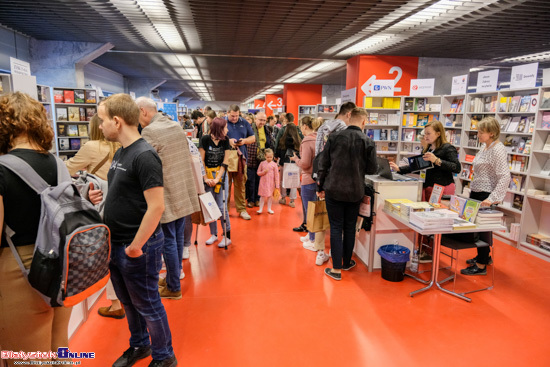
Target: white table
[{"x": 437, "y": 248}]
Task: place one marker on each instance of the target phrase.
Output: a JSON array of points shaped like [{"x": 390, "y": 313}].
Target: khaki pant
[
  {"x": 27, "y": 323},
  {"x": 239, "y": 190}
]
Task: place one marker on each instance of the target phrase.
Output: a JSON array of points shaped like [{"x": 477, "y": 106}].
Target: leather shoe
[
  {"x": 168, "y": 362},
  {"x": 132, "y": 355},
  {"x": 302, "y": 228},
  {"x": 474, "y": 270},
  {"x": 474, "y": 260},
  {"x": 115, "y": 314}
]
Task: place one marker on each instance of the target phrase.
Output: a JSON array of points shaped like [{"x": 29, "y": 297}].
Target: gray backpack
[{"x": 72, "y": 250}]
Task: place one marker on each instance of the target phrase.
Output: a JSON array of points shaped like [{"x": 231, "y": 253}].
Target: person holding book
[
  {"x": 95, "y": 157},
  {"x": 489, "y": 184},
  {"x": 443, "y": 156}
]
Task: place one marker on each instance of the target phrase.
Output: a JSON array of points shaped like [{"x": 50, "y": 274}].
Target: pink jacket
[{"x": 307, "y": 153}]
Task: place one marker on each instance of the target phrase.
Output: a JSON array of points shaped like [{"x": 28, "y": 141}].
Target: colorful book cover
[
  {"x": 75, "y": 143},
  {"x": 470, "y": 210},
  {"x": 91, "y": 96},
  {"x": 82, "y": 114},
  {"x": 437, "y": 194},
  {"x": 72, "y": 130},
  {"x": 68, "y": 96},
  {"x": 457, "y": 204},
  {"x": 61, "y": 130},
  {"x": 524, "y": 104},
  {"x": 534, "y": 103},
  {"x": 79, "y": 96},
  {"x": 61, "y": 113},
  {"x": 82, "y": 130},
  {"x": 545, "y": 120},
  {"x": 74, "y": 114},
  {"x": 64, "y": 144},
  {"x": 90, "y": 112},
  {"x": 58, "y": 96}
]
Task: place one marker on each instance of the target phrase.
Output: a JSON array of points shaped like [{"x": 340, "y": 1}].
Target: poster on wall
[
  {"x": 19, "y": 67},
  {"x": 348, "y": 95},
  {"x": 380, "y": 88},
  {"x": 524, "y": 76},
  {"x": 422, "y": 87},
  {"x": 460, "y": 84},
  {"x": 487, "y": 81}
]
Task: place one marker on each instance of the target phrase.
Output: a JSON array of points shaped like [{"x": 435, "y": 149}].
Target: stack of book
[
  {"x": 431, "y": 220},
  {"x": 489, "y": 217},
  {"x": 408, "y": 208},
  {"x": 540, "y": 240},
  {"x": 394, "y": 205}
]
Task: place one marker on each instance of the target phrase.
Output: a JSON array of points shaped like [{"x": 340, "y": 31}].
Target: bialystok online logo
[{"x": 62, "y": 353}]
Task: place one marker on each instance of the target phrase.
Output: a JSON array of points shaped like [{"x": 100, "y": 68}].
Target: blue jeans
[
  {"x": 252, "y": 184},
  {"x": 308, "y": 194},
  {"x": 223, "y": 208},
  {"x": 136, "y": 285},
  {"x": 187, "y": 232},
  {"x": 342, "y": 217},
  {"x": 173, "y": 252}
]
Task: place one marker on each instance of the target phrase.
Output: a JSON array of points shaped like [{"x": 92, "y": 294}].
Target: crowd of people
[{"x": 152, "y": 195}]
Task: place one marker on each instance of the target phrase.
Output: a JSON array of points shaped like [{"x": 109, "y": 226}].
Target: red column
[
  {"x": 301, "y": 94},
  {"x": 363, "y": 68}
]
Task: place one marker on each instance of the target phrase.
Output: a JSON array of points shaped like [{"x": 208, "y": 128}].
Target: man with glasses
[{"x": 255, "y": 156}]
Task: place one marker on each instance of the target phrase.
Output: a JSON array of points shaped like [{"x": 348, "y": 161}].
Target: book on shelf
[
  {"x": 466, "y": 172},
  {"x": 394, "y": 135},
  {"x": 383, "y": 134},
  {"x": 91, "y": 96},
  {"x": 42, "y": 93},
  {"x": 474, "y": 120},
  {"x": 370, "y": 133},
  {"x": 79, "y": 96},
  {"x": 534, "y": 103},
  {"x": 373, "y": 118},
  {"x": 409, "y": 134},
  {"x": 523, "y": 126},
  {"x": 82, "y": 114},
  {"x": 545, "y": 123},
  {"x": 58, "y": 96},
  {"x": 61, "y": 114},
  {"x": 409, "y": 104},
  {"x": 513, "y": 125},
  {"x": 518, "y": 202},
  {"x": 393, "y": 119},
  {"x": 437, "y": 194},
  {"x": 90, "y": 112},
  {"x": 516, "y": 182},
  {"x": 545, "y": 100},
  {"x": 82, "y": 130},
  {"x": 504, "y": 123},
  {"x": 64, "y": 144},
  {"x": 382, "y": 119},
  {"x": 407, "y": 147},
  {"x": 469, "y": 157},
  {"x": 457, "y": 204},
  {"x": 68, "y": 96},
  {"x": 528, "y": 146},
  {"x": 420, "y": 104},
  {"x": 503, "y": 104},
  {"x": 72, "y": 130},
  {"x": 514, "y": 104},
  {"x": 74, "y": 113},
  {"x": 524, "y": 103},
  {"x": 470, "y": 210},
  {"x": 454, "y": 105},
  {"x": 460, "y": 105},
  {"x": 538, "y": 239},
  {"x": 376, "y": 136},
  {"x": 392, "y": 147},
  {"x": 74, "y": 143},
  {"x": 382, "y": 146},
  {"x": 61, "y": 130}
]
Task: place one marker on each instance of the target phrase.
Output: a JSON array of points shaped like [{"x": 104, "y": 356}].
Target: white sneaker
[
  {"x": 211, "y": 240},
  {"x": 309, "y": 246},
  {"x": 245, "y": 215},
  {"x": 305, "y": 238},
  {"x": 223, "y": 241},
  {"x": 182, "y": 275},
  {"x": 185, "y": 253},
  {"x": 259, "y": 212},
  {"x": 271, "y": 211},
  {"x": 321, "y": 258}
]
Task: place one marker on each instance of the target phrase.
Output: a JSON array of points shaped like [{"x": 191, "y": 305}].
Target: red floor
[{"x": 264, "y": 302}]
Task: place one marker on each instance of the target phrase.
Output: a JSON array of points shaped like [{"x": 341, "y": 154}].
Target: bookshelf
[
  {"x": 44, "y": 96},
  {"x": 383, "y": 124},
  {"x": 327, "y": 111},
  {"x": 72, "y": 110},
  {"x": 182, "y": 110},
  {"x": 306, "y": 110}
]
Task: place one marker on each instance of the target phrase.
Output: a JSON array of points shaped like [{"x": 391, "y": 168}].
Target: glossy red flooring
[{"x": 264, "y": 302}]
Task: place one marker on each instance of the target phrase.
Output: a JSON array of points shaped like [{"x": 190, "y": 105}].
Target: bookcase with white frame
[
  {"x": 417, "y": 113},
  {"x": 327, "y": 111},
  {"x": 72, "y": 110},
  {"x": 453, "y": 109},
  {"x": 383, "y": 125},
  {"x": 307, "y": 110},
  {"x": 44, "y": 95},
  {"x": 535, "y": 221}
]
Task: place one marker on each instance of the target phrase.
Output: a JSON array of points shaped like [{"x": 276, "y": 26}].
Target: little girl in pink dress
[{"x": 269, "y": 181}]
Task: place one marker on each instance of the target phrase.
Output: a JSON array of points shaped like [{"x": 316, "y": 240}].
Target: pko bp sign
[{"x": 64, "y": 353}]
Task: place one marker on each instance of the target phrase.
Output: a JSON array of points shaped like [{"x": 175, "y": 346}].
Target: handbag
[
  {"x": 317, "y": 216},
  {"x": 291, "y": 176}
]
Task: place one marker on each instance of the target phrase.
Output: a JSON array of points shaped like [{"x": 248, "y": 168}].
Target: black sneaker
[
  {"x": 474, "y": 270},
  {"x": 473, "y": 261},
  {"x": 132, "y": 355},
  {"x": 352, "y": 263},
  {"x": 335, "y": 276},
  {"x": 302, "y": 228},
  {"x": 168, "y": 362}
]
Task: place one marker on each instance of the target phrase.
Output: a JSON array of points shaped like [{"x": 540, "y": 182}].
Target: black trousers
[
  {"x": 482, "y": 252},
  {"x": 342, "y": 216}
]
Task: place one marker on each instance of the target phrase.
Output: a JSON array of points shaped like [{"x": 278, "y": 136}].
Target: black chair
[{"x": 462, "y": 241}]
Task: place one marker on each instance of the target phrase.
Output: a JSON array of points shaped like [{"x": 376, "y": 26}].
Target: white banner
[
  {"x": 524, "y": 76},
  {"x": 383, "y": 88},
  {"x": 20, "y": 67},
  {"x": 348, "y": 95},
  {"x": 460, "y": 84},
  {"x": 545, "y": 76},
  {"x": 487, "y": 81},
  {"x": 422, "y": 87}
]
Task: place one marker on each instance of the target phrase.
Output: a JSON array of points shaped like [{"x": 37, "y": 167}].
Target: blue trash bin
[{"x": 394, "y": 262}]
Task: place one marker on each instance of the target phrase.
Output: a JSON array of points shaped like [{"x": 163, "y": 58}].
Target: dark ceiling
[{"x": 238, "y": 48}]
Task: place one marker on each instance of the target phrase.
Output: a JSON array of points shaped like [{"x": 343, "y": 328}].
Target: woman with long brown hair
[{"x": 289, "y": 142}]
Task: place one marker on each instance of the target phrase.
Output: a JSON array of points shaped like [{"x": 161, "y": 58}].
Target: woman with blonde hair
[{"x": 27, "y": 322}]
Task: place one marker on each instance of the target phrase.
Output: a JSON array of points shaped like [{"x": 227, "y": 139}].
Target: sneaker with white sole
[
  {"x": 271, "y": 212},
  {"x": 309, "y": 246},
  {"x": 185, "y": 253},
  {"x": 223, "y": 241},
  {"x": 245, "y": 215},
  {"x": 182, "y": 275},
  {"x": 321, "y": 258},
  {"x": 211, "y": 240},
  {"x": 305, "y": 238}
]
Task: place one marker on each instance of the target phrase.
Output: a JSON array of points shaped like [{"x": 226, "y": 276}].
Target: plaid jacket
[{"x": 251, "y": 161}]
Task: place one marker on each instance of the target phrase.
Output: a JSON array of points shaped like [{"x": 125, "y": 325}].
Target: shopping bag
[
  {"x": 209, "y": 208},
  {"x": 276, "y": 194},
  {"x": 291, "y": 176},
  {"x": 197, "y": 174},
  {"x": 317, "y": 216},
  {"x": 232, "y": 160},
  {"x": 198, "y": 218}
]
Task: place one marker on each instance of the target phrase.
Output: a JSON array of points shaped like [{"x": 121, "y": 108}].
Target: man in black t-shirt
[{"x": 133, "y": 208}]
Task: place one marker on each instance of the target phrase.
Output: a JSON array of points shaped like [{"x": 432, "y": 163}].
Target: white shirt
[{"x": 491, "y": 171}]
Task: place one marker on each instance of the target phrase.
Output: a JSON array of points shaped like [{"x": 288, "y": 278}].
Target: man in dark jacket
[{"x": 347, "y": 157}]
